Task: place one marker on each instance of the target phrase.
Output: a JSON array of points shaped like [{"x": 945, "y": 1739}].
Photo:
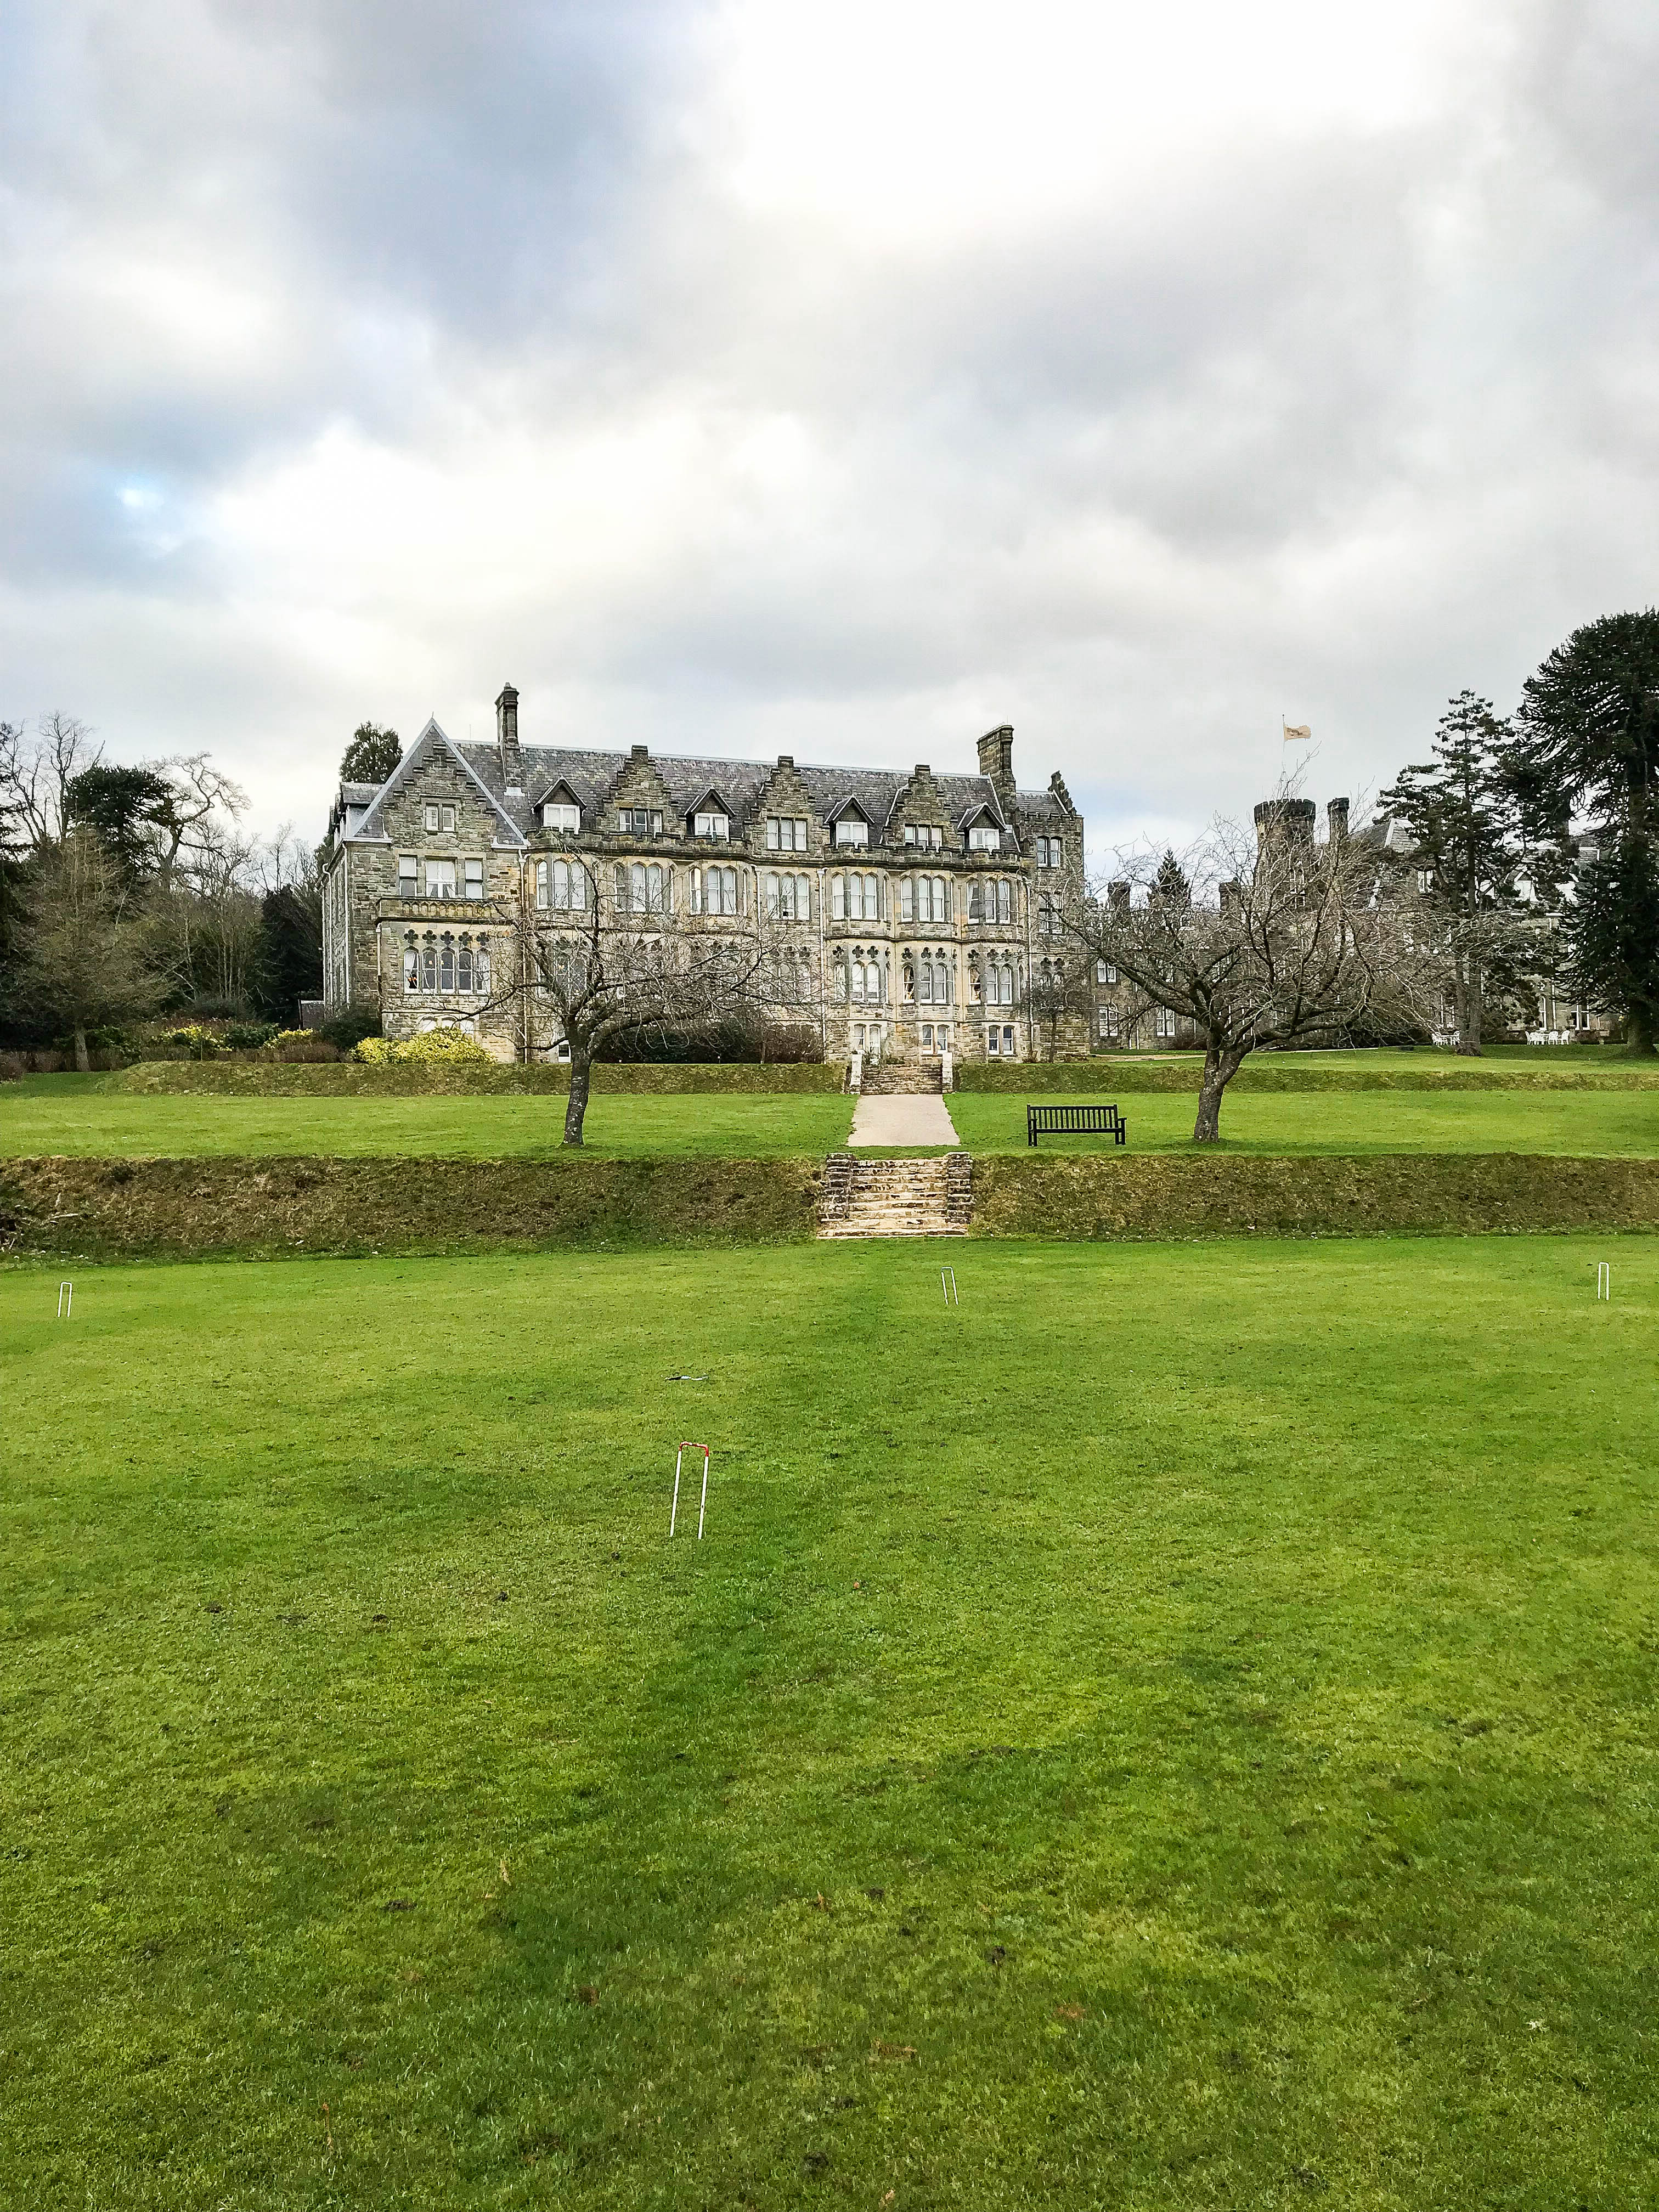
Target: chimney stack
[
  {"x": 507, "y": 739},
  {"x": 1336, "y": 820},
  {"x": 996, "y": 759},
  {"x": 1117, "y": 897}
]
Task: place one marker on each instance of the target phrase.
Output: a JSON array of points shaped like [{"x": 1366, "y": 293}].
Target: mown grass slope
[{"x": 1173, "y": 1733}]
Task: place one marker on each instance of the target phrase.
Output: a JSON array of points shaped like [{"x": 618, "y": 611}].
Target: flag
[{"x": 1295, "y": 729}]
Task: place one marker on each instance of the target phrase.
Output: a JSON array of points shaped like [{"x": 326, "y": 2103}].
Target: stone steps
[
  {"x": 897, "y": 1198},
  {"x": 913, "y": 1078}
]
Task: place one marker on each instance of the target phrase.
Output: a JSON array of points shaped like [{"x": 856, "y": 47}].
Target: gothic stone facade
[{"x": 921, "y": 909}]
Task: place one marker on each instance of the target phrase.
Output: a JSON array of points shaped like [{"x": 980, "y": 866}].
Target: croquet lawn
[{"x": 1175, "y": 1731}]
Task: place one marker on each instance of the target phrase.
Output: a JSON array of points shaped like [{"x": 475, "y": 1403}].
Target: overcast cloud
[{"x": 835, "y": 381}]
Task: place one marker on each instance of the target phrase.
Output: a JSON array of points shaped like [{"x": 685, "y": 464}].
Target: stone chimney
[
  {"x": 1336, "y": 820},
  {"x": 1117, "y": 897},
  {"x": 996, "y": 759},
  {"x": 507, "y": 739}
]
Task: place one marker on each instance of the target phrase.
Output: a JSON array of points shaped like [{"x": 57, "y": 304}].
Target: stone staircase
[
  {"x": 909, "y": 1079},
  {"x": 897, "y": 1198}
]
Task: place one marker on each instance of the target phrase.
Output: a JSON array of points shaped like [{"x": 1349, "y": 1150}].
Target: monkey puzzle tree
[
  {"x": 1264, "y": 941},
  {"x": 1587, "y": 741}
]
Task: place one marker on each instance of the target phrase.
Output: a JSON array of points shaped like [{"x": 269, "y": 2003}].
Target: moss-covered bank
[
  {"x": 1425, "y": 1193},
  {"x": 193, "y": 1208}
]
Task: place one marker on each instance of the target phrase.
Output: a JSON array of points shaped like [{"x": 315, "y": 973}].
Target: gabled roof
[{"x": 430, "y": 737}]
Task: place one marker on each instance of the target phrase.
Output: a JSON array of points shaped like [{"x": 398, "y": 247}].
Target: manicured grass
[
  {"x": 1174, "y": 1732},
  {"x": 45, "y": 1114},
  {"x": 52, "y": 1114},
  {"x": 1609, "y": 1124}
]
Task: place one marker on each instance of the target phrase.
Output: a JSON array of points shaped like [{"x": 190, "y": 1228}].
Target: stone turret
[{"x": 1291, "y": 819}]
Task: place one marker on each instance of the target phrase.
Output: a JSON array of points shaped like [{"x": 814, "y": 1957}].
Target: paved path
[{"x": 905, "y": 1118}]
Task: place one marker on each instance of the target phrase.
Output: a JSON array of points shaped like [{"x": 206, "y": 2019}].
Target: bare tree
[
  {"x": 84, "y": 960},
  {"x": 588, "y": 961},
  {"x": 36, "y": 774},
  {"x": 1268, "y": 941}
]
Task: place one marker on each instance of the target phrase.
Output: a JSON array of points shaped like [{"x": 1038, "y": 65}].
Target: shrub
[
  {"x": 248, "y": 1037},
  {"x": 351, "y": 1027},
  {"x": 14, "y": 1066},
  {"x": 439, "y": 1048}
]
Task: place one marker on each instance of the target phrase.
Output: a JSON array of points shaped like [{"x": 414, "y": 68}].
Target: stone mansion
[{"x": 920, "y": 911}]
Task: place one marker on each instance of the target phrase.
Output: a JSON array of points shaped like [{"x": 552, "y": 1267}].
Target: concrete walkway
[{"x": 902, "y": 1118}]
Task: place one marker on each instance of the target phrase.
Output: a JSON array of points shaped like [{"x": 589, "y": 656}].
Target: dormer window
[
  {"x": 711, "y": 825},
  {"x": 851, "y": 830},
  {"x": 985, "y": 837},
  {"x": 559, "y": 814},
  {"x": 440, "y": 817},
  {"x": 640, "y": 821}
]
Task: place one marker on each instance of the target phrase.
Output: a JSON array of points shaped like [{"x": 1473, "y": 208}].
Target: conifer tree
[
  {"x": 1587, "y": 742},
  {"x": 1459, "y": 811}
]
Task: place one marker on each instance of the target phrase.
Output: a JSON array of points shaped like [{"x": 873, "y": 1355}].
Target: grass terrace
[
  {"x": 92, "y": 1117},
  {"x": 85, "y": 1115},
  {"x": 1197, "y": 1754}
]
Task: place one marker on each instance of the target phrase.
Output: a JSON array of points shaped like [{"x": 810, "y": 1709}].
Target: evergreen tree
[
  {"x": 288, "y": 965},
  {"x": 372, "y": 754},
  {"x": 126, "y": 807},
  {"x": 1589, "y": 743},
  {"x": 1460, "y": 811}
]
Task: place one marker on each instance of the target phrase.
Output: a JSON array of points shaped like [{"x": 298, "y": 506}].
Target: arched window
[
  {"x": 411, "y": 964},
  {"x": 447, "y": 963},
  {"x": 464, "y": 967},
  {"x": 429, "y": 964},
  {"x": 941, "y": 983},
  {"x": 481, "y": 966},
  {"x": 840, "y": 975},
  {"x": 1005, "y": 902}
]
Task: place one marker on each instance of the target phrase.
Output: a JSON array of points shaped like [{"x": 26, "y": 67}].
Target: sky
[{"x": 762, "y": 377}]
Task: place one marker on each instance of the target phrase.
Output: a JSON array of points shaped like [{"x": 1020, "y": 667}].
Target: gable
[{"x": 434, "y": 772}]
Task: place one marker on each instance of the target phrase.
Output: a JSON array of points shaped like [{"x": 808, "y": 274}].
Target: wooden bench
[{"x": 1075, "y": 1121}]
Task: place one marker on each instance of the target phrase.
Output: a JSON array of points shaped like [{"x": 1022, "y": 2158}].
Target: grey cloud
[{"x": 1337, "y": 428}]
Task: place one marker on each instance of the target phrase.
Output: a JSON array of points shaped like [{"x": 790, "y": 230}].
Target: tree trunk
[
  {"x": 575, "y": 1106},
  {"x": 1219, "y": 1068},
  {"x": 1469, "y": 1008},
  {"x": 1638, "y": 1032},
  {"x": 82, "y": 1059}
]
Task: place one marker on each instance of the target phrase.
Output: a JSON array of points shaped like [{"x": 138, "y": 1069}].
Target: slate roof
[{"x": 591, "y": 777}]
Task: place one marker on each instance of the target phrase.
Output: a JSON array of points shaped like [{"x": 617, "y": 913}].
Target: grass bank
[
  {"x": 1208, "y": 1771},
  {"x": 189, "y": 1208},
  {"x": 1211, "y": 1195},
  {"x": 205, "y": 1206}
]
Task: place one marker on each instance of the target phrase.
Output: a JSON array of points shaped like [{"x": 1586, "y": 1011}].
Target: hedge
[{"x": 350, "y": 1079}]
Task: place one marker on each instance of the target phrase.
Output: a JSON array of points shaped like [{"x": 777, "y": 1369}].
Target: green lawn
[
  {"x": 53, "y": 1114},
  {"x": 1176, "y": 1733},
  {"x": 1608, "y": 1124}
]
